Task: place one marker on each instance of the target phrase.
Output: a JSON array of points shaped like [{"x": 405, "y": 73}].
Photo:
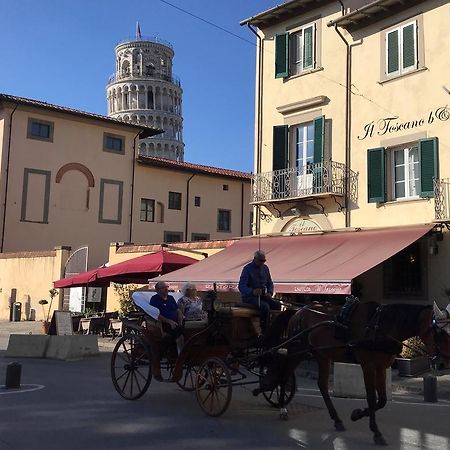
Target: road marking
[{"x": 25, "y": 388}]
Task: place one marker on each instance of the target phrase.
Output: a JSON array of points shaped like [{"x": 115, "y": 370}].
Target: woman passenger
[{"x": 190, "y": 304}]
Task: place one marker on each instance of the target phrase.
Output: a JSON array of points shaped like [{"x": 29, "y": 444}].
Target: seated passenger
[
  {"x": 256, "y": 287},
  {"x": 170, "y": 315},
  {"x": 190, "y": 304}
]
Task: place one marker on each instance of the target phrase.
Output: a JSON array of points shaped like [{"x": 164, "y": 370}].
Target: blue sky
[{"x": 63, "y": 52}]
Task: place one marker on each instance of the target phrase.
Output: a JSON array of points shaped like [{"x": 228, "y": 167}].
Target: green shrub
[
  {"x": 126, "y": 305},
  {"x": 415, "y": 348}
]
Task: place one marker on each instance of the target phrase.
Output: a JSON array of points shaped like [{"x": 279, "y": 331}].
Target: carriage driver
[{"x": 256, "y": 287}]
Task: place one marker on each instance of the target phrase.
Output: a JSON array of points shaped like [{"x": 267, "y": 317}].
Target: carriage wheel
[
  {"x": 131, "y": 367},
  {"x": 273, "y": 397},
  {"x": 188, "y": 380},
  {"x": 213, "y": 387}
]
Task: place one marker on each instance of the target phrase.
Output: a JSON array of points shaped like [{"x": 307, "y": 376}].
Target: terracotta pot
[{"x": 45, "y": 327}]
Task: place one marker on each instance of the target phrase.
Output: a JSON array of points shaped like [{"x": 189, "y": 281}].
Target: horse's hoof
[
  {"x": 379, "y": 440},
  {"x": 339, "y": 426},
  {"x": 356, "y": 414},
  {"x": 284, "y": 414}
]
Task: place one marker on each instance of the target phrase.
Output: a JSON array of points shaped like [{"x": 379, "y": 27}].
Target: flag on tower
[{"x": 138, "y": 31}]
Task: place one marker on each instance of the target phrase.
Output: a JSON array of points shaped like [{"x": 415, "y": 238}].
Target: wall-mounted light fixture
[{"x": 296, "y": 212}]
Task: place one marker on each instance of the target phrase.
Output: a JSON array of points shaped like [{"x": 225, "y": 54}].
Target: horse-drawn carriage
[
  {"x": 218, "y": 354},
  {"x": 225, "y": 352}
]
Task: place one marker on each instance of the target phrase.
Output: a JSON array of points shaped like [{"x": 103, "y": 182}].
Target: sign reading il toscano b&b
[{"x": 389, "y": 125}]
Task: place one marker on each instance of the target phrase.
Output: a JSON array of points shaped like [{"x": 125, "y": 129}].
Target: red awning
[
  {"x": 140, "y": 269},
  {"x": 135, "y": 270},
  {"x": 317, "y": 263},
  {"x": 81, "y": 279}
]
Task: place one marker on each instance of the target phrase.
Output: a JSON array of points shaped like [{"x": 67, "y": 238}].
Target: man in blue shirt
[
  {"x": 256, "y": 287},
  {"x": 170, "y": 316}
]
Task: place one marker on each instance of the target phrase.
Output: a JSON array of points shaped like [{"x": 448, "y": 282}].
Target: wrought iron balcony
[
  {"x": 311, "y": 181},
  {"x": 134, "y": 77},
  {"x": 442, "y": 199}
]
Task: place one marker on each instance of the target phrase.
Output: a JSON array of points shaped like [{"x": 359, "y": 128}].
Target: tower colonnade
[{"x": 144, "y": 91}]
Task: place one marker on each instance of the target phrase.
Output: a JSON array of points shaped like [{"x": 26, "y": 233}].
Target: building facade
[
  {"x": 143, "y": 90},
  {"x": 75, "y": 180},
  {"x": 352, "y": 130}
]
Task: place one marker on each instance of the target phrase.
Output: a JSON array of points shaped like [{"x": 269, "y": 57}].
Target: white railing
[{"x": 327, "y": 177}]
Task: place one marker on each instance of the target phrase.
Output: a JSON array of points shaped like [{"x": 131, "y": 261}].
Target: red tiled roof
[
  {"x": 191, "y": 167},
  {"x": 32, "y": 254},
  {"x": 63, "y": 109},
  {"x": 197, "y": 245}
]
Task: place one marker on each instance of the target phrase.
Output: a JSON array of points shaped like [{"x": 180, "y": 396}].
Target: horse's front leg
[
  {"x": 324, "y": 375},
  {"x": 381, "y": 394},
  {"x": 370, "y": 378}
]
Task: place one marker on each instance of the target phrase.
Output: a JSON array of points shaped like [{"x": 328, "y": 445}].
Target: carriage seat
[{"x": 240, "y": 310}]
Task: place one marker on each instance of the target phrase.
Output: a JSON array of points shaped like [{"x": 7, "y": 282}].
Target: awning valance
[{"x": 317, "y": 263}]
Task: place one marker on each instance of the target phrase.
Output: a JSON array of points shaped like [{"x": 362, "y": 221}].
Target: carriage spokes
[
  {"x": 130, "y": 367},
  {"x": 213, "y": 387}
]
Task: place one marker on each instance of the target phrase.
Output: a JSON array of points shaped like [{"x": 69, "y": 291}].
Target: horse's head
[{"x": 437, "y": 338}]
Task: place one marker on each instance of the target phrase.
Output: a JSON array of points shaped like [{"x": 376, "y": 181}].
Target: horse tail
[{"x": 277, "y": 330}]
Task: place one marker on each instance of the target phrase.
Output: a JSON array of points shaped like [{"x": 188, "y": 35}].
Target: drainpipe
[
  {"x": 259, "y": 116},
  {"x": 130, "y": 237},
  {"x": 348, "y": 123},
  {"x": 187, "y": 207},
  {"x": 5, "y": 200},
  {"x": 242, "y": 209}
]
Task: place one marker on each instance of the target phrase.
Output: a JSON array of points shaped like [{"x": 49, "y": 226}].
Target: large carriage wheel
[
  {"x": 213, "y": 387},
  {"x": 131, "y": 371},
  {"x": 189, "y": 378},
  {"x": 273, "y": 396}
]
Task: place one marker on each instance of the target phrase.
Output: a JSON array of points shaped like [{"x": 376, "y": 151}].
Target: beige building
[
  {"x": 352, "y": 130},
  {"x": 74, "y": 179}
]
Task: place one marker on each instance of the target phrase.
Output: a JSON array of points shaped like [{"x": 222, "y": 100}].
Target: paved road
[{"x": 75, "y": 406}]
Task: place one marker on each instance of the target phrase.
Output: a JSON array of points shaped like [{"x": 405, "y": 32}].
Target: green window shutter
[
  {"x": 280, "y": 147},
  {"x": 429, "y": 165},
  {"x": 281, "y": 55},
  {"x": 319, "y": 131},
  {"x": 376, "y": 175},
  {"x": 308, "y": 47},
  {"x": 392, "y": 52},
  {"x": 409, "y": 46}
]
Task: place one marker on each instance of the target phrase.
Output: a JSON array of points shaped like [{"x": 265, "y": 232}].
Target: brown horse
[{"x": 372, "y": 339}]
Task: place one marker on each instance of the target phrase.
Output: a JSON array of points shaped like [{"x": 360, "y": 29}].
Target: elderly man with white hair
[{"x": 256, "y": 287}]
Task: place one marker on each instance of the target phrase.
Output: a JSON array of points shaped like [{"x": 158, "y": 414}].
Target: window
[
  {"x": 175, "y": 200},
  {"x": 173, "y": 236},
  {"x": 402, "y": 172},
  {"x": 147, "y": 210},
  {"x": 406, "y": 172},
  {"x": 196, "y": 201},
  {"x": 223, "y": 220},
  {"x": 113, "y": 143},
  {"x": 403, "y": 48},
  {"x": 404, "y": 272},
  {"x": 295, "y": 52},
  {"x": 200, "y": 237},
  {"x": 225, "y": 187},
  {"x": 40, "y": 129}
]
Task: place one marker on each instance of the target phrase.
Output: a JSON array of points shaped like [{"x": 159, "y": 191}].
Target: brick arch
[{"x": 76, "y": 166}]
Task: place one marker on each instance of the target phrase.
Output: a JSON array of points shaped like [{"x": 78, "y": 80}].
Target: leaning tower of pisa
[{"x": 144, "y": 90}]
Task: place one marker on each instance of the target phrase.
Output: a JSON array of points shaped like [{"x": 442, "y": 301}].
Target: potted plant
[
  {"x": 46, "y": 323},
  {"x": 413, "y": 359}
]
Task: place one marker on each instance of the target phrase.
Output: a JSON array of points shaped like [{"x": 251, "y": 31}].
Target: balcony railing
[
  {"x": 153, "y": 76},
  {"x": 442, "y": 199},
  {"x": 313, "y": 180}
]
